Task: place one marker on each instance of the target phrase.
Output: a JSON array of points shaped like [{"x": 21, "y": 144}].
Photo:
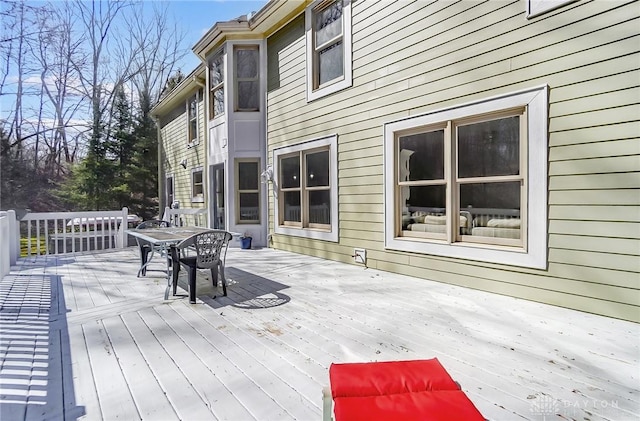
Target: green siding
[
  {"x": 415, "y": 57},
  {"x": 174, "y": 145}
]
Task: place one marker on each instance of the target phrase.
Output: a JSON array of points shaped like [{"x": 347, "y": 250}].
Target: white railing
[
  {"x": 71, "y": 232},
  {"x": 186, "y": 217},
  {"x": 9, "y": 241}
]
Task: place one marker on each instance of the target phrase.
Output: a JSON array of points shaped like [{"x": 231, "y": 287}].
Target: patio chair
[
  {"x": 146, "y": 249},
  {"x": 210, "y": 252}
]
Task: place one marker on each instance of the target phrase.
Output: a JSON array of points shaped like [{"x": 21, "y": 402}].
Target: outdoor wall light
[
  {"x": 267, "y": 175},
  {"x": 184, "y": 163}
]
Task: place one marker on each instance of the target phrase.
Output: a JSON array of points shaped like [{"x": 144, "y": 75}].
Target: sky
[
  {"x": 196, "y": 17},
  {"x": 193, "y": 17}
]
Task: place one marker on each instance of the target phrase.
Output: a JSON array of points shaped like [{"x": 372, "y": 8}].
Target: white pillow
[
  {"x": 435, "y": 219},
  {"x": 504, "y": 223}
]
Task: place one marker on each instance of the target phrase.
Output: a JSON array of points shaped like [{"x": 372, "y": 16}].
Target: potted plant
[{"x": 245, "y": 241}]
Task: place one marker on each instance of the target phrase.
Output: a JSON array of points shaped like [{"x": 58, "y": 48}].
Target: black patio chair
[
  {"x": 210, "y": 252},
  {"x": 146, "y": 248}
]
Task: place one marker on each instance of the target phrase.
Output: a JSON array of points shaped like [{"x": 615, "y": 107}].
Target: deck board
[
  {"x": 148, "y": 395},
  {"x": 112, "y": 388},
  {"x": 81, "y": 337},
  {"x": 248, "y": 374},
  {"x": 185, "y": 401},
  {"x": 222, "y": 402}
]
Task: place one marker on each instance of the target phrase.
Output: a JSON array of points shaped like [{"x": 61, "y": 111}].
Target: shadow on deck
[{"x": 37, "y": 373}]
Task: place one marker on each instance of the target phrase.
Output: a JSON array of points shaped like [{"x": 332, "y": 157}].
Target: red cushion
[
  {"x": 383, "y": 378},
  {"x": 441, "y": 405}
]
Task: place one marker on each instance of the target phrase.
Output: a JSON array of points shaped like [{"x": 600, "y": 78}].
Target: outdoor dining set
[{"x": 189, "y": 247}]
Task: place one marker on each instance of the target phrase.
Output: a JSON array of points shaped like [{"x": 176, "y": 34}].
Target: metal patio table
[{"x": 164, "y": 238}]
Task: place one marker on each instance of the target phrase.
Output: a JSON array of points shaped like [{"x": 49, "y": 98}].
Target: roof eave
[
  {"x": 262, "y": 24},
  {"x": 189, "y": 84}
]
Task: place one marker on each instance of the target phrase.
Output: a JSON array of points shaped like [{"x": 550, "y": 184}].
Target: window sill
[
  {"x": 327, "y": 89},
  {"x": 197, "y": 200},
  {"x": 193, "y": 144},
  {"x": 311, "y": 233},
  {"x": 512, "y": 256}
]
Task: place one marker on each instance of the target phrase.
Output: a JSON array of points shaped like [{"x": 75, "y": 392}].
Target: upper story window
[
  {"x": 307, "y": 182},
  {"x": 197, "y": 185},
  {"x": 247, "y": 78},
  {"x": 192, "y": 116},
  {"x": 216, "y": 85},
  {"x": 329, "y": 65},
  {"x": 248, "y": 191},
  {"x": 470, "y": 181}
]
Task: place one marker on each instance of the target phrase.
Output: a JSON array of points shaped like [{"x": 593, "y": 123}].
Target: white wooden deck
[{"x": 83, "y": 338}]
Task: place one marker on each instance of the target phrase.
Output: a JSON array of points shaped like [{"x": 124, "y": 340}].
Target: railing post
[
  {"x": 14, "y": 237},
  {"x": 122, "y": 233},
  {"x": 5, "y": 247}
]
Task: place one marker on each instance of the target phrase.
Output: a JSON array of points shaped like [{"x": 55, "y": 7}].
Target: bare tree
[
  {"x": 15, "y": 128},
  {"x": 81, "y": 53},
  {"x": 105, "y": 68},
  {"x": 158, "y": 42},
  {"x": 58, "y": 47},
  {"x": 20, "y": 33}
]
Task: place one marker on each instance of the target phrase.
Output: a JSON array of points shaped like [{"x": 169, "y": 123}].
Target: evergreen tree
[
  {"x": 144, "y": 164},
  {"x": 121, "y": 147}
]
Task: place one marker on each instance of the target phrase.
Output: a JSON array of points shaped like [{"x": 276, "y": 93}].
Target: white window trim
[
  {"x": 197, "y": 199},
  {"x": 347, "y": 80},
  {"x": 539, "y": 7},
  {"x": 331, "y": 235},
  {"x": 173, "y": 188},
  {"x": 196, "y": 140},
  {"x": 258, "y": 190},
  {"x": 210, "y": 89},
  {"x": 535, "y": 256},
  {"x": 237, "y": 80}
]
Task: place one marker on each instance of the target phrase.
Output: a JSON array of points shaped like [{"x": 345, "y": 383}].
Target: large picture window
[
  {"x": 216, "y": 85},
  {"x": 470, "y": 181},
  {"x": 329, "y": 66},
  {"x": 307, "y": 189},
  {"x": 248, "y": 191},
  {"x": 247, "y": 72},
  {"x": 484, "y": 176}
]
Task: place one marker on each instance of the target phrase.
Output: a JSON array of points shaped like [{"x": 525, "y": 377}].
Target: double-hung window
[
  {"x": 248, "y": 191},
  {"x": 470, "y": 181},
  {"x": 247, "y": 72},
  {"x": 192, "y": 116},
  {"x": 329, "y": 50},
  {"x": 197, "y": 185},
  {"x": 307, "y": 189},
  {"x": 216, "y": 85},
  {"x": 169, "y": 191}
]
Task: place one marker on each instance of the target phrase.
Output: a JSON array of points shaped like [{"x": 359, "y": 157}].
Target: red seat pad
[
  {"x": 441, "y": 405},
  {"x": 384, "y": 378}
]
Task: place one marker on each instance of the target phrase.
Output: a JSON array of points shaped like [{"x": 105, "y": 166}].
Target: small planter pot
[{"x": 245, "y": 243}]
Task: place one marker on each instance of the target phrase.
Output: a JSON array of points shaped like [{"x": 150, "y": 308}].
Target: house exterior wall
[
  {"x": 412, "y": 58},
  {"x": 175, "y": 149},
  {"x": 239, "y": 135}
]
